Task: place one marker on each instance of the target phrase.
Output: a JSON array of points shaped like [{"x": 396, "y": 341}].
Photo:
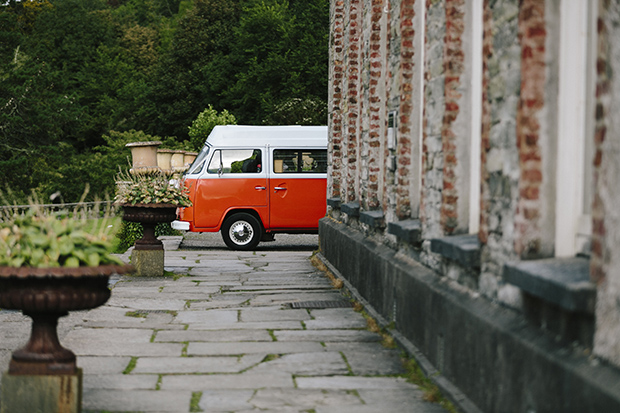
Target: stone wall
[{"x": 410, "y": 98}]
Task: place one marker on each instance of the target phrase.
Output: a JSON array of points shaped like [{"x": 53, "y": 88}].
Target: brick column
[
  {"x": 487, "y": 52},
  {"x": 454, "y": 59},
  {"x": 354, "y": 33},
  {"x": 336, "y": 78},
  {"x": 532, "y": 35},
  {"x": 605, "y": 260},
  {"x": 404, "y": 170},
  {"x": 376, "y": 106}
]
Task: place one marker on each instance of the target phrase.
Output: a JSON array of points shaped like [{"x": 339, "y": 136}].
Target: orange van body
[{"x": 251, "y": 182}]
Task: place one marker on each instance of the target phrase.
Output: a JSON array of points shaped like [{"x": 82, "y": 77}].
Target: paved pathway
[{"x": 224, "y": 336}]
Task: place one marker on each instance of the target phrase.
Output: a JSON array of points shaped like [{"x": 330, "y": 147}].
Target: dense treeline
[{"x": 79, "y": 78}]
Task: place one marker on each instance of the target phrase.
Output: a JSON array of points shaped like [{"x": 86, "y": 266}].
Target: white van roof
[{"x": 243, "y": 135}]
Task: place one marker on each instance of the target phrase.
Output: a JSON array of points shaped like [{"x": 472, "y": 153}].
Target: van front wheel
[{"x": 241, "y": 231}]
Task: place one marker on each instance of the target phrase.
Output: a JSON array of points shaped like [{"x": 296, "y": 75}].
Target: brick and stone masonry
[{"x": 410, "y": 61}]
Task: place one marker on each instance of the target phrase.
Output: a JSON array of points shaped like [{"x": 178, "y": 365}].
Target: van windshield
[{"x": 198, "y": 164}]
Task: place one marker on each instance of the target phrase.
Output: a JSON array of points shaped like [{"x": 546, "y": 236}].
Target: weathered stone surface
[
  {"x": 212, "y": 335},
  {"x": 121, "y": 381},
  {"x": 185, "y": 365},
  {"x": 275, "y": 347},
  {"x": 331, "y": 318},
  {"x": 225, "y": 400},
  {"x": 351, "y": 383},
  {"x": 327, "y": 335},
  {"x": 103, "y": 365},
  {"x": 136, "y": 400},
  {"x": 248, "y": 380},
  {"x": 37, "y": 393},
  {"x": 306, "y": 364},
  {"x": 303, "y": 399},
  {"x": 260, "y": 314},
  {"x": 211, "y": 317}
]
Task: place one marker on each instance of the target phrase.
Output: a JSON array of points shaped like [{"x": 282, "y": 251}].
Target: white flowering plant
[{"x": 155, "y": 187}]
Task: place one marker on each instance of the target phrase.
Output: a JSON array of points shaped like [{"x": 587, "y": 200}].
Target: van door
[
  {"x": 297, "y": 188},
  {"x": 234, "y": 179}
]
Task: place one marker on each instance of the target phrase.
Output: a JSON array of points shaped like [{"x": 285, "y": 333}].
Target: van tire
[{"x": 242, "y": 231}]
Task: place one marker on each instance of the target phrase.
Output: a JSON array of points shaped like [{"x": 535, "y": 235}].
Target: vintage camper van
[{"x": 251, "y": 182}]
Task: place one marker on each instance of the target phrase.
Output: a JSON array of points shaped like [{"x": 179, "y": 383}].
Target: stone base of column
[
  {"x": 49, "y": 394},
  {"x": 148, "y": 263}
]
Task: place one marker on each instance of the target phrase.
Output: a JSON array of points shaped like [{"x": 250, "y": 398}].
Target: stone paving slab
[
  {"x": 220, "y": 333},
  {"x": 327, "y": 335},
  {"x": 303, "y": 398},
  {"x": 248, "y": 380},
  {"x": 213, "y": 335},
  {"x": 262, "y": 314},
  {"x": 353, "y": 383},
  {"x": 120, "y": 381},
  {"x": 306, "y": 364},
  {"x": 236, "y": 348},
  {"x": 103, "y": 365},
  {"x": 114, "y": 400},
  {"x": 185, "y": 365},
  {"x": 260, "y": 325},
  {"x": 226, "y": 400}
]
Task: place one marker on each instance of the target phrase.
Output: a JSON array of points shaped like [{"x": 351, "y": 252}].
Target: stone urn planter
[
  {"x": 45, "y": 295},
  {"x": 148, "y": 253},
  {"x": 178, "y": 161},
  {"x": 144, "y": 156},
  {"x": 149, "y": 215},
  {"x": 164, "y": 157},
  {"x": 188, "y": 158}
]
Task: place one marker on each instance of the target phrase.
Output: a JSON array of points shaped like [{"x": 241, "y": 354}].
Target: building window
[{"x": 575, "y": 127}]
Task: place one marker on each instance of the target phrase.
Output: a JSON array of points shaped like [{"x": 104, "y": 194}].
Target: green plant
[
  {"x": 150, "y": 188},
  {"x": 204, "y": 124},
  {"x": 43, "y": 239}
]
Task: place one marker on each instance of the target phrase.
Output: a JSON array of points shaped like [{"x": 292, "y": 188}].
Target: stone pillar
[
  {"x": 53, "y": 394},
  {"x": 605, "y": 261}
]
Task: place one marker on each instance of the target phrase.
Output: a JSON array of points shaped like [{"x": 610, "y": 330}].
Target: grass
[
  {"x": 194, "y": 405},
  {"x": 131, "y": 365}
]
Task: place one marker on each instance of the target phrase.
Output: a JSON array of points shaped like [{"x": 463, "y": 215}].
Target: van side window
[
  {"x": 235, "y": 161},
  {"x": 300, "y": 161}
]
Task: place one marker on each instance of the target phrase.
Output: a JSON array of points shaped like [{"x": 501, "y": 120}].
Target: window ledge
[
  {"x": 464, "y": 249},
  {"x": 352, "y": 209},
  {"x": 408, "y": 230},
  {"x": 373, "y": 219},
  {"x": 561, "y": 281},
  {"x": 333, "y": 202}
]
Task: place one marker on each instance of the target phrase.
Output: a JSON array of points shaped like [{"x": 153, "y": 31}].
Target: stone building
[{"x": 474, "y": 191}]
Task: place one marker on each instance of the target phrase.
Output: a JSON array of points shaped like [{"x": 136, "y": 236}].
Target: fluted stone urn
[
  {"x": 45, "y": 295},
  {"x": 148, "y": 253}
]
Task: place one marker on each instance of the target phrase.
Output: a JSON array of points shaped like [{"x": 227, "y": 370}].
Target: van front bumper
[{"x": 180, "y": 225}]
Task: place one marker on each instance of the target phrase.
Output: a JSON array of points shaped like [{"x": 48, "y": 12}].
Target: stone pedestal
[
  {"x": 42, "y": 393},
  {"x": 148, "y": 263}
]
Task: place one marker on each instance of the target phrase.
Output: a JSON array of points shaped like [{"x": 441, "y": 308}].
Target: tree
[{"x": 204, "y": 124}]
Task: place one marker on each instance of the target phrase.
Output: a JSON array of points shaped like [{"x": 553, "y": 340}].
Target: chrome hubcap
[{"x": 241, "y": 232}]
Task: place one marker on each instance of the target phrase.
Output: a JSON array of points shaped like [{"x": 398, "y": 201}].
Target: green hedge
[{"x": 132, "y": 231}]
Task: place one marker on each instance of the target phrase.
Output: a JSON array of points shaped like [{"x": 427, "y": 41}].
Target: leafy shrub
[
  {"x": 42, "y": 240},
  {"x": 204, "y": 124}
]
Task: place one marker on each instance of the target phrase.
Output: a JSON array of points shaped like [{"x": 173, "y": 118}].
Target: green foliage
[
  {"x": 205, "y": 122},
  {"x": 150, "y": 188},
  {"x": 78, "y": 78},
  {"x": 35, "y": 239},
  {"x": 129, "y": 232}
]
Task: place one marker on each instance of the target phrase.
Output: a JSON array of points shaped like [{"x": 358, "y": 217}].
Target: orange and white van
[{"x": 251, "y": 182}]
